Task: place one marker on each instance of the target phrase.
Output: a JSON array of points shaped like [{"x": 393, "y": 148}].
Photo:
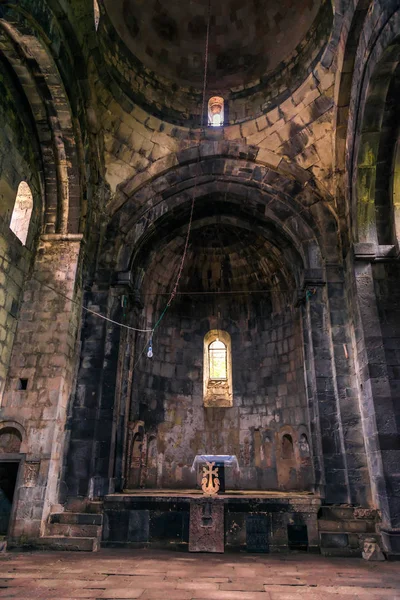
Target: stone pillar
[
  {"x": 378, "y": 407},
  {"x": 44, "y": 355},
  {"x": 348, "y": 405},
  {"x": 87, "y": 472},
  {"x": 100, "y": 408},
  {"x": 325, "y": 423}
]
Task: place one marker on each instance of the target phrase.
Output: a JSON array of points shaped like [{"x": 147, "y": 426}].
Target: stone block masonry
[
  {"x": 43, "y": 355},
  {"x": 14, "y": 264}
]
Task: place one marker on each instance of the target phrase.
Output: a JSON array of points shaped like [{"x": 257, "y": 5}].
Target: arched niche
[
  {"x": 21, "y": 216},
  {"x": 287, "y": 447},
  {"x": 304, "y": 446},
  {"x": 10, "y": 440}
]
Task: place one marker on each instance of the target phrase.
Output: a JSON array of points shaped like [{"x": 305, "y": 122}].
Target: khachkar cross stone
[{"x": 210, "y": 482}]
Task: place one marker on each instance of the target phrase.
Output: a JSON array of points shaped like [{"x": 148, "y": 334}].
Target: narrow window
[
  {"x": 96, "y": 9},
  {"x": 22, "y": 212},
  {"x": 217, "y": 369},
  {"x": 217, "y": 361},
  {"x": 216, "y": 111}
]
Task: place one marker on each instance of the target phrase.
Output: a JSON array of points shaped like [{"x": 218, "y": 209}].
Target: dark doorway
[
  {"x": 298, "y": 537},
  {"x": 8, "y": 479}
]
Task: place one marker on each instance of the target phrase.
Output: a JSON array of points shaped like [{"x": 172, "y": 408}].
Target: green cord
[{"x": 161, "y": 316}]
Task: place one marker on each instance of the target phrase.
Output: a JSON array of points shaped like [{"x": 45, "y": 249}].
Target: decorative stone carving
[
  {"x": 364, "y": 513},
  {"x": 372, "y": 551},
  {"x": 206, "y": 528},
  {"x": 210, "y": 483},
  {"x": 31, "y": 473}
]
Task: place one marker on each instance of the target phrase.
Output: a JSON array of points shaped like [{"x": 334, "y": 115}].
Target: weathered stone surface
[
  {"x": 372, "y": 551},
  {"x": 206, "y": 526},
  {"x": 293, "y": 212}
]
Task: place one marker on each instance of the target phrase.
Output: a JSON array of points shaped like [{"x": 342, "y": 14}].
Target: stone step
[
  {"x": 74, "y": 544},
  {"x": 353, "y": 526},
  {"x": 74, "y": 518},
  {"x": 341, "y": 513},
  {"x": 3, "y": 543},
  {"x": 347, "y": 513},
  {"x": 95, "y": 507},
  {"x": 73, "y": 530},
  {"x": 77, "y": 505}
]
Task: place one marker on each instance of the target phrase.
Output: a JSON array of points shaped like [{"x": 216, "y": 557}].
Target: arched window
[
  {"x": 96, "y": 9},
  {"x": 217, "y": 369},
  {"x": 22, "y": 212},
  {"x": 217, "y": 361},
  {"x": 216, "y": 111}
]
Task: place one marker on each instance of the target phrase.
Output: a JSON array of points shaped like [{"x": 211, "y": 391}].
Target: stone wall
[
  {"x": 17, "y": 163},
  {"x": 14, "y": 264},
  {"x": 43, "y": 356},
  {"x": 268, "y": 396}
]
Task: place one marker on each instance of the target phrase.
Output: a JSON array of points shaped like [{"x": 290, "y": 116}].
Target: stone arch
[
  {"x": 12, "y": 436},
  {"x": 355, "y": 15},
  {"x": 375, "y": 153},
  {"x": 203, "y": 151},
  {"x": 44, "y": 89},
  {"x": 296, "y": 206},
  {"x": 375, "y": 83}
]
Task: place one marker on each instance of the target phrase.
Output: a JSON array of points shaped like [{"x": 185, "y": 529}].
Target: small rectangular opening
[
  {"x": 22, "y": 384},
  {"x": 298, "y": 537}
]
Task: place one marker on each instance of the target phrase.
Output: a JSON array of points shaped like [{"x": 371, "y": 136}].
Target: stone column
[
  {"x": 348, "y": 405},
  {"x": 44, "y": 355},
  {"x": 99, "y": 410},
  {"x": 326, "y": 430},
  {"x": 87, "y": 471},
  {"x": 378, "y": 407}
]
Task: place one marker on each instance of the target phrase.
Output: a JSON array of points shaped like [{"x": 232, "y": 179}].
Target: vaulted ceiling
[{"x": 247, "y": 39}]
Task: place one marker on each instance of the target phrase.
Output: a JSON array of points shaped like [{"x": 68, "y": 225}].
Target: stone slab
[{"x": 206, "y": 527}]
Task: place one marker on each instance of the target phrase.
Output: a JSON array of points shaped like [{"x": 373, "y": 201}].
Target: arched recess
[
  {"x": 377, "y": 151},
  {"x": 372, "y": 154},
  {"x": 12, "y": 437},
  {"x": 290, "y": 230},
  {"x": 30, "y": 59},
  {"x": 372, "y": 130},
  {"x": 284, "y": 196},
  {"x": 354, "y": 14}
]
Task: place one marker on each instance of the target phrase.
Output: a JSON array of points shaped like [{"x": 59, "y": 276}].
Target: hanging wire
[
  {"x": 202, "y": 127},
  {"x": 175, "y": 288},
  {"x": 89, "y": 310}
]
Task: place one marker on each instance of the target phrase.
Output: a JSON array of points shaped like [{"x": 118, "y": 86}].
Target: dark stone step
[
  {"x": 73, "y": 530},
  {"x": 74, "y": 544},
  {"x": 70, "y": 518}
]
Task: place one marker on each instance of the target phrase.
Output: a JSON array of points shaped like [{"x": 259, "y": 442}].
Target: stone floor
[{"x": 163, "y": 575}]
